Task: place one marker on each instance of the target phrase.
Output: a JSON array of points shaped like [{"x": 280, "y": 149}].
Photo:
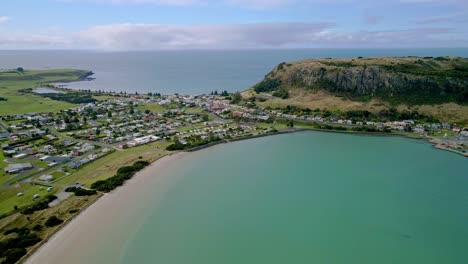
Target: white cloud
[
  {"x": 261, "y": 3},
  {"x": 158, "y": 2},
  {"x": 456, "y": 18},
  {"x": 4, "y": 19},
  {"x": 232, "y": 36},
  {"x": 154, "y": 36}
]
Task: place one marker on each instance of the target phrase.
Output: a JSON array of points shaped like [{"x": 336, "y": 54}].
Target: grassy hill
[{"x": 434, "y": 86}]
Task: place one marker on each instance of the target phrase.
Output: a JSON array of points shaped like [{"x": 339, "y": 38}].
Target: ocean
[
  {"x": 186, "y": 72},
  {"x": 308, "y": 197}
]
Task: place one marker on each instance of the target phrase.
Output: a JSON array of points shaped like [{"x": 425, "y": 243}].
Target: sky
[{"x": 232, "y": 24}]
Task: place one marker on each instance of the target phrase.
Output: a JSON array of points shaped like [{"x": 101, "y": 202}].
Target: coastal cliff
[{"x": 410, "y": 80}]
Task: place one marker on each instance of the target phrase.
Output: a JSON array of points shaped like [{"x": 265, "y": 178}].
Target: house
[
  {"x": 15, "y": 168},
  {"x": 46, "y": 177},
  {"x": 55, "y": 159},
  {"x": 77, "y": 164},
  {"x": 3, "y": 135}
]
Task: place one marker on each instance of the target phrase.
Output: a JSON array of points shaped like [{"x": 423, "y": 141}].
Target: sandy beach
[{"x": 73, "y": 243}]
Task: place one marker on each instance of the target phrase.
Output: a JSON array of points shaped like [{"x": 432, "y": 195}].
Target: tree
[
  {"x": 109, "y": 114},
  {"x": 236, "y": 98},
  {"x": 20, "y": 70},
  {"x": 53, "y": 221},
  {"x": 98, "y": 132}
]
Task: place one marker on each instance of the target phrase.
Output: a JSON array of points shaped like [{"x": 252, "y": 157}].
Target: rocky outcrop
[{"x": 432, "y": 80}]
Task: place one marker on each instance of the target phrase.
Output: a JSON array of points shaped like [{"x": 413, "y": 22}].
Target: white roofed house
[{"x": 17, "y": 167}]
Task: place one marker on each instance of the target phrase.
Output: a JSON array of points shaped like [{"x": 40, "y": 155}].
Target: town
[{"x": 44, "y": 148}]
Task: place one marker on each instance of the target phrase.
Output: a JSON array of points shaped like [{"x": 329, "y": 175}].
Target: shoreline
[
  {"x": 296, "y": 130},
  {"x": 104, "y": 202},
  {"x": 174, "y": 157}
]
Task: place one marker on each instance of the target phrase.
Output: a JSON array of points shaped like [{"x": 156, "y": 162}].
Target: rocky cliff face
[{"x": 432, "y": 80}]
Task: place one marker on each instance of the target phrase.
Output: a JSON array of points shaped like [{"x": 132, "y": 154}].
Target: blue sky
[{"x": 231, "y": 24}]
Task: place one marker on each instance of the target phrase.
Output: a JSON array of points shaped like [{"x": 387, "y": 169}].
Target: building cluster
[{"x": 44, "y": 142}]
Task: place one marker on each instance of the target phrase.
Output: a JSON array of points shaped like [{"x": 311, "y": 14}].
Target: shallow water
[{"x": 308, "y": 198}]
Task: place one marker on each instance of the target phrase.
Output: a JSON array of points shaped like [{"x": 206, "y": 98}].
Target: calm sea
[
  {"x": 187, "y": 72},
  {"x": 309, "y": 197}
]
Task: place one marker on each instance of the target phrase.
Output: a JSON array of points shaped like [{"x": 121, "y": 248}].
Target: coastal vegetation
[
  {"x": 391, "y": 114},
  {"x": 123, "y": 174},
  {"x": 53, "y": 221},
  {"x": 80, "y": 191},
  {"x": 14, "y": 248},
  {"x": 43, "y": 204},
  {"x": 20, "y": 234},
  {"x": 73, "y": 97},
  {"x": 191, "y": 142}
]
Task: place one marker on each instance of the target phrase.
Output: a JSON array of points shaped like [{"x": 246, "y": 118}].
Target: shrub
[
  {"x": 40, "y": 205},
  {"x": 281, "y": 93},
  {"x": 13, "y": 255},
  {"x": 267, "y": 85},
  {"x": 123, "y": 174},
  {"x": 37, "y": 227},
  {"x": 80, "y": 191},
  {"x": 19, "y": 231},
  {"x": 15, "y": 248},
  {"x": 53, "y": 221}
]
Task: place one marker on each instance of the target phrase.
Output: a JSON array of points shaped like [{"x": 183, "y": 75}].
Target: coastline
[
  {"x": 139, "y": 180},
  {"x": 436, "y": 145},
  {"x": 48, "y": 251}
]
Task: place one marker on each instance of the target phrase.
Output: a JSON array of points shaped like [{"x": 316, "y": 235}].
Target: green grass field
[
  {"x": 9, "y": 197},
  {"x": 107, "y": 166},
  {"x": 12, "y": 82},
  {"x": 153, "y": 107}
]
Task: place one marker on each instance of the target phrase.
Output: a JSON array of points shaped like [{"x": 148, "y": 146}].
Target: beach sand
[{"x": 96, "y": 230}]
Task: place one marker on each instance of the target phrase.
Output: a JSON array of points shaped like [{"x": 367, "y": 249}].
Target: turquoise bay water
[
  {"x": 187, "y": 72},
  {"x": 308, "y": 198}
]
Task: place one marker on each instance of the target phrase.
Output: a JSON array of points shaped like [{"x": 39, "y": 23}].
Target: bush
[
  {"x": 53, "y": 221},
  {"x": 15, "y": 248},
  {"x": 37, "y": 227},
  {"x": 267, "y": 85},
  {"x": 80, "y": 191},
  {"x": 13, "y": 255},
  {"x": 281, "y": 93},
  {"x": 40, "y": 205},
  {"x": 19, "y": 231},
  {"x": 176, "y": 146},
  {"x": 123, "y": 174},
  {"x": 74, "y": 98}
]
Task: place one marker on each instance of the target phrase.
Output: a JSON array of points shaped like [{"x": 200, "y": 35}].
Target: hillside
[{"x": 436, "y": 86}]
